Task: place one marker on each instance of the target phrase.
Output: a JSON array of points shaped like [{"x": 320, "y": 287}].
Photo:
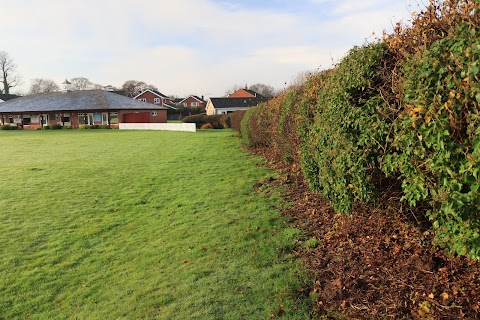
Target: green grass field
[{"x": 109, "y": 224}]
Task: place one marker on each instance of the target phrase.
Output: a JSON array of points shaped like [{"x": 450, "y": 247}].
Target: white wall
[{"x": 187, "y": 127}]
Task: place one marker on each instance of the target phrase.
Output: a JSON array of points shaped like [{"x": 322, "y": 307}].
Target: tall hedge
[
  {"x": 346, "y": 135},
  {"x": 405, "y": 108},
  {"x": 436, "y": 148}
]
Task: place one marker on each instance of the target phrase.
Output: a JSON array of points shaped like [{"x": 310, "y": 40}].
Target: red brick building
[
  {"x": 154, "y": 97},
  {"x": 194, "y": 102}
]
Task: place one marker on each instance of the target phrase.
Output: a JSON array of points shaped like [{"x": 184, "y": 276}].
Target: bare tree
[
  {"x": 108, "y": 87},
  {"x": 96, "y": 86},
  {"x": 43, "y": 85},
  {"x": 8, "y": 68},
  {"x": 134, "y": 87},
  {"x": 264, "y": 89},
  {"x": 81, "y": 83},
  {"x": 234, "y": 88}
]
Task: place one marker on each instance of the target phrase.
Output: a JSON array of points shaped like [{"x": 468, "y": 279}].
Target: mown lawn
[{"x": 109, "y": 224}]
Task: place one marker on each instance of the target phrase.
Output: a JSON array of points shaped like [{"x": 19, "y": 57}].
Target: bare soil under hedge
[{"x": 378, "y": 262}]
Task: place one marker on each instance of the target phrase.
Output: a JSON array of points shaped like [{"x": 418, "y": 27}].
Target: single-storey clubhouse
[{"x": 77, "y": 108}]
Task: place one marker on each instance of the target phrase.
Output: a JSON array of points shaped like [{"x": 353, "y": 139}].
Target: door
[
  {"x": 105, "y": 118},
  {"x": 44, "y": 120}
]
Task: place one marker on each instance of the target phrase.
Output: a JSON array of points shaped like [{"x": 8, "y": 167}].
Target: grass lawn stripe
[{"x": 108, "y": 224}]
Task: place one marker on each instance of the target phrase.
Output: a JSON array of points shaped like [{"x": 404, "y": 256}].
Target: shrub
[
  {"x": 198, "y": 119},
  {"x": 216, "y": 121},
  {"x": 56, "y": 126},
  {"x": 106, "y": 126},
  {"x": 437, "y": 138},
  {"x": 46, "y": 127},
  {"x": 201, "y": 119},
  {"x": 8, "y": 127},
  {"x": 94, "y": 126}
]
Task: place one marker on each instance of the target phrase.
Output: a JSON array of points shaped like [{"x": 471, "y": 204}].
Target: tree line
[{"x": 11, "y": 79}]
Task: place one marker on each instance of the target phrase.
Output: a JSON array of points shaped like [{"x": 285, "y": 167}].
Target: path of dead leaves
[{"x": 377, "y": 262}]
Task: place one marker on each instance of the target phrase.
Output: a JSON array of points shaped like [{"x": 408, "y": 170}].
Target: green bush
[
  {"x": 46, "y": 127},
  {"x": 8, "y": 127},
  {"x": 200, "y": 119},
  {"x": 56, "y": 126},
  {"x": 437, "y": 138},
  {"x": 345, "y": 133}
]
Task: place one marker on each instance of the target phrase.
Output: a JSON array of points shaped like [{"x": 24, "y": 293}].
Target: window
[
  {"x": 154, "y": 113},
  {"x": 66, "y": 118},
  {"x": 53, "y": 116},
  {"x": 35, "y": 118},
  {"x": 26, "y": 119},
  {"x": 97, "y": 117},
  {"x": 10, "y": 119},
  {"x": 185, "y": 104},
  {"x": 83, "y": 118},
  {"x": 113, "y": 117},
  {"x": 195, "y": 104},
  {"x": 143, "y": 99},
  {"x": 156, "y": 100}
]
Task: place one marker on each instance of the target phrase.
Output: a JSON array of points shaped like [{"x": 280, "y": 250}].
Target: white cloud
[{"x": 184, "y": 46}]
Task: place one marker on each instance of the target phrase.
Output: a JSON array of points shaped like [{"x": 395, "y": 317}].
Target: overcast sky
[{"x": 201, "y": 47}]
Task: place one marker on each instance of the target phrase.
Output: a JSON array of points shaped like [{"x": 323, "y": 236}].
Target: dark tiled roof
[
  {"x": 254, "y": 93},
  {"x": 195, "y": 97},
  {"x": 160, "y": 94},
  {"x": 74, "y": 100},
  {"x": 198, "y": 98},
  {"x": 222, "y": 103},
  {"x": 6, "y": 97},
  {"x": 156, "y": 92},
  {"x": 178, "y": 100}
]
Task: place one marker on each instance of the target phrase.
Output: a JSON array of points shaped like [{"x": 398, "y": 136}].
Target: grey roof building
[
  {"x": 76, "y": 108},
  {"x": 74, "y": 101}
]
